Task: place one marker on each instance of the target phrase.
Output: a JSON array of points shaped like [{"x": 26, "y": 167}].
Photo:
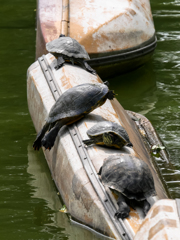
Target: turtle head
[
  {"x": 61, "y": 35},
  {"x": 110, "y": 95},
  {"x": 108, "y": 138}
]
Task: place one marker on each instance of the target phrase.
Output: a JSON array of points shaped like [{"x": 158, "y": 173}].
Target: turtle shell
[
  {"x": 78, "y": 100},
  {"x": 129, "y": 175},
  {"x": 107, "y": 126},
  {"x": 68, "y": 47}
]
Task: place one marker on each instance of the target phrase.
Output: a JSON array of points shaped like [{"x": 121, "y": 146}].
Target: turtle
[
  {"x": 131, "y": 178},
  {"x": 67, "y": 48},
  {"x": 71, "y": 106},
  {"x": 108, "y": 133}
]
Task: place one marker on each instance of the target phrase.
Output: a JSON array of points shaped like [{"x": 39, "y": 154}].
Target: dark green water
[{"x": 29, "y": 205}]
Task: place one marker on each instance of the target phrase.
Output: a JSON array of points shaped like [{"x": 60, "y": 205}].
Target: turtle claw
[
  {"x": 37, "y": 144},
  {"x": 48, "y": 145},
  {"x": 121, "y": 215},
  {"x": 122, "y": 212}
]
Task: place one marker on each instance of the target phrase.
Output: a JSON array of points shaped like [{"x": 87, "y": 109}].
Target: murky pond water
[{"x": 29, "y": 204}]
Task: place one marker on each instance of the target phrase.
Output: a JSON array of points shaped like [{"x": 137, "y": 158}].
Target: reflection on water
[{"x": 44, "y": 188}]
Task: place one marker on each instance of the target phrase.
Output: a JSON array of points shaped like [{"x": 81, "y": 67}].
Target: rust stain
[
  {"x": 145, "y": 10},
  {"x": 146, "y": 221},
  {"x": 113, "y": 113},
  {"x": 131, "y": 11},
  {"x": 66, "y": 83},
  {"x": 88, "y": 42},
  {"x": 134, "y": 220},
  {"x": 95, "y": 149},
  {"x": 160, "y": 208},
  {"x": 52, "y": 57},
  {"x": 164, "y": 237},
  {"x": 50, "y": 30},
  {"x": 163, "y": 223},
  {"x": 35, "y": 70},
  {"x": 86, "y": 125},
  {"x": 88, "y": 220}
]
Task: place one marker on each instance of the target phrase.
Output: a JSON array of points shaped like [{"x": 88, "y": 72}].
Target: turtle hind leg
[
  {"x": 60, "y": 62},
  {"x": 49, "y": 138},
  {"x": 86, "y": 66},
  {"x": 124, "y": 209},
  {"x": 40, "y": 135}
]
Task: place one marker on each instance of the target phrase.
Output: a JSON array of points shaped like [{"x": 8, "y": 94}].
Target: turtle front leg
[
  {"x": 88, "y": 142},
  {"x": 60, "y": 62},
  {"x": 124, "y": 209},
  {"x": 49, "y": 138},
  {"x": 86, "y": 66}
]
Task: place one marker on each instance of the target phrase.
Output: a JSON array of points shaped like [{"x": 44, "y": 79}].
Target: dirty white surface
[
  {"x": 63, "y": 160},
  {"x": 105, "y": 26},
  {"x": 162, "y": 222}
]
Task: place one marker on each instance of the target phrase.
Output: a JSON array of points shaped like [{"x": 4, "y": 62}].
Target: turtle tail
[
  {"x": 40, "y": 135},
  {"x": 88, "y": 142}
]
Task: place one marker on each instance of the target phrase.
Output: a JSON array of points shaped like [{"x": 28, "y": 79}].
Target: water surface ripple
[{"x": 157, "y": 85}]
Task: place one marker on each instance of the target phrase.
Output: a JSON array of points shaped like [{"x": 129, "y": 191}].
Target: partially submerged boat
[
  {"x": 74, "y": 168},
  {"x": 119, "y": 35}
]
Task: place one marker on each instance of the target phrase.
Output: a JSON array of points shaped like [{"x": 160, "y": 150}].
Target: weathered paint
[
  {"x": 63, "y": 160},
  {"x": 162, "y": 222},
  {"x": 110, "y": 26},
  {"x": 49, "y": 16},
  {"x": 104, "y": 28}
]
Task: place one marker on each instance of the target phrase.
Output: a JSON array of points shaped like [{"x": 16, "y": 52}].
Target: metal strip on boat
[{"x": 84, "y": 156}]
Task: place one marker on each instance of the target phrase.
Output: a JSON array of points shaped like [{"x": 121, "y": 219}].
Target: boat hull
[
  {"x": 67, "y": 170},
  {"x": 118, "y": 40}
]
